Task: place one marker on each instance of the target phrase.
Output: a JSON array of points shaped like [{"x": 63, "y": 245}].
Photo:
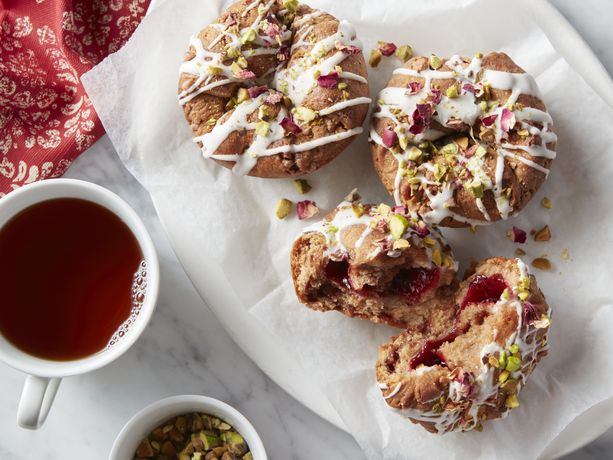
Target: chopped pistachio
[
  {"x": 477, "y": 188},
  {"x": 384, "y": 209},
  {"x": 435, "y": 62},
  {"x": 398, "y": 224},
  {"x": 439, "y": 171},
  {"x": 242, "y": 95},
  {"x": 261, "y": 10},
  {"x": 248, "y": 36},
  {"x": 430, "y": 242},
  {"x": 342, "y": 85},
  {"x": 375, "y": 58},
  {"x": 235, "y": 68},
  {"x": 358, "y": 209},
  {"x": 565, "y": 254},
  {"x": 414, "y": 154},
  {"x": 213, "y": 70},
  {"x": 493, "y": 361},
  {"x": 452, "y": 92},
  {"x": 401, "y": 244},
  {"x": 449, "y": 149},
  {"x": 514, "y": 348},
  {"x": 542, "y": 263},
  {"x": 544, "y": 234},
  {"x": 513, "y": 364},
  {"x": 290, "y": 5},
  {"x": 305, "y": 114},
  {"x": 404, "y": 53},
  {"x": 437, "y": 257},
  {"x": 462, "y": 142},
  {"x": 502, "y": 359},
  {"x": 503, "y": 376},
  {"x": 480, "y": 152},
  {"x": 546, "y": 203},
  {"x": 403, "y": 141},
  {"x": 302, "y": 186},
  {"x": 523, "y": 295},
  {"x": 317, "y": 73},
  {"x": 284, "y": 207},
  {"x": 231, "y": 103},
  {"x": 352, "y": 196},
  {"x": 520, "y": 252},
  {"x": 483, "y": 106},
  {"x": 505, "y": 294},
  {"x": 512, "y": 402},
  {"x": 233, "y": 52},
  {"x": 262, "y": 128},
  {"x": 211, "y": 121}
]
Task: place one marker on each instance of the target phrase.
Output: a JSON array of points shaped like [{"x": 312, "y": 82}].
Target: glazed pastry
[
  {"x": 274, "y": 88},
  {"x": 474, "y": 370},
  {"x": 374, "y": 262},
  {"x": 462, "y": 141}
]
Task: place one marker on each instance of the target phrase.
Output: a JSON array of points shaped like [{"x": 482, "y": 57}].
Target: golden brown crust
[
  {"x": 212, "y": 104},
  {"x": 520, "y": 181}
]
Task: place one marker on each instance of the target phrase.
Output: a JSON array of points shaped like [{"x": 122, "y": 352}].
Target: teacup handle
[{"x": 36, "y": 399}]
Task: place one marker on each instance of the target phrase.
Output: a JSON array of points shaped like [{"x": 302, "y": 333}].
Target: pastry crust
[
  {"x": 474, "y": 370},
  {"x": 466, "y": 144},
  {"x": 358, "y": 262},
  {"x": 276, "y": 50}
]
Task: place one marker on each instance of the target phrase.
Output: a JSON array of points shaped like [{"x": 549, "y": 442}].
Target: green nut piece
[
  {"x": 305, "y": 114},
  {"x": 262, "y": 128},
  {"x": 514, "y": 348},
  {"x": 290, "y": 5},
  {"x": 242, "y": 95},
  {"x": 435, "y": 62},
  {"x": 234, "y": 442},
  {"x": 284, "y": 207},
  {"x": 398, "y": 225},
  {"x": 248, "y": 36},
  {"x": 513, "y": 364},
  {"x": 404, "y": 53},
  {"x": 302, "y": 186},
  {"x": 452, "y": 92},
  {"x": 502, "y": 359},
  {"x": 414, "y": 154},
  {"x": 375, "y": 58}
]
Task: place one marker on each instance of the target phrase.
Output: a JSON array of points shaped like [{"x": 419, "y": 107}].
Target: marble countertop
[{"x": 185, "y": 349}]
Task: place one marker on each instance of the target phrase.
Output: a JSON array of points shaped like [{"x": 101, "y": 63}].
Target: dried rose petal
[
  {"x": 273, "y": 98},
  {"x": 246, "y": 75},
  {"x": 387, "y": 49},
  {"x": 283, "y": 53},
  {"x": 435, "y": 96},
  {"x": 385, "y": 245},
  {"x": 271, "y": 30},
  {"x": 390, "y": 138},
  {"x": 289, "y": 126},
  {"x": 255, "y": 91},
  {"x": 382, "y": 225},
  {"x": 415, "y": 87},
  {"x": 471, "y": 150},
  {"x": 328, "y": 81},
  {"x": 530, "y": 313},
  {"x": 489, "y": 121},
  {"x": 421, "y": 118},
  {"x": 306, "y": 209},
  {"x": 455, "y": 124},
  {"x": 517, "y": 235},
  {"x": 399, "y": 209},
  {"x": 507, "y": 120},
  {"x": 350, "y": 49},
  {"x": 421, "y": 229},
  {"x": 469, "y": 88}
]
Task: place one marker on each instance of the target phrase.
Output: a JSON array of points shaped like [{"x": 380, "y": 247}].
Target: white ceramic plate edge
[{"x": 260, "y": 346}]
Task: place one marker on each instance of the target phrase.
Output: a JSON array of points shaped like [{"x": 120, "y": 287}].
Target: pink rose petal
[
  {"x": 530, "y": 313},
  {"x": 517, "y": 235},
  {"x": 350, "y": 49},
  {"x": 387, "y": 49},
  {"x": 255, "y": 91},
  {"x": 246, "y": 75},
  {"x": 415, "y": 87},
  {"x": 306, "y": 209},
  {"x": 399, "y": 209},
  {"x": 421, "y": 229},
  {"x": 273, "y": 98},
  {"x": 435, "y": 96},
  {"x": 328, "y": 81},
  {"x": 289, "y": 126},
  {"x": 271, "y": 30},
  {"x": 489, "y": 121},
  {"x": 390, "y": 138},
  {"x": 507, "y": 120},
  {"x": 469, "y": 88},
  {"x": 421, "y": 118}
]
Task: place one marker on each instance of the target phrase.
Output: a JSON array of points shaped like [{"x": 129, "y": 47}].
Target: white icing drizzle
[
  {"x": 485, "y": 382},
  {"x": 296, "y": 82},
  {"x": 395, "y": 102}
]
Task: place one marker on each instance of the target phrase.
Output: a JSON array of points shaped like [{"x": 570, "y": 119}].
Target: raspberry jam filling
[
  {"x": 411, "y": 283},
  {"x": 482, "y": 289},
  {"x": 414, "y": 282}
]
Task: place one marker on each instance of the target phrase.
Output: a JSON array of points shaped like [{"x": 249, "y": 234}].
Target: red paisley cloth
[{"x": 46, "y": 119}]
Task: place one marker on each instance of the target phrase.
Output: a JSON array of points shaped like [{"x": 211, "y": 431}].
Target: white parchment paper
[{"x": 228, "y": 221}]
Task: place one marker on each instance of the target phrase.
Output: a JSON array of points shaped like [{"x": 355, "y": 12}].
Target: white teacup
[{"x": 44, "y": 376}]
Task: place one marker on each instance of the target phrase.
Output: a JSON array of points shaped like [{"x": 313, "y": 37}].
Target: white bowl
[{"x": 155, "y": 414}]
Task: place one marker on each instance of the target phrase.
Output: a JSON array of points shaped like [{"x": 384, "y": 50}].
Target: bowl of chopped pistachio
[{"x": 188, "y": 427}]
